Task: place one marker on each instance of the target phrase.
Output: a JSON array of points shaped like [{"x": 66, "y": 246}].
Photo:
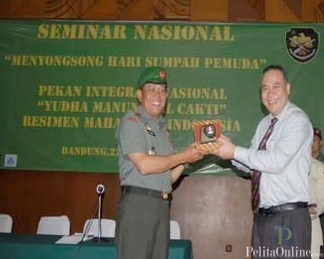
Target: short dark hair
[{"x": 276, "y": 67}]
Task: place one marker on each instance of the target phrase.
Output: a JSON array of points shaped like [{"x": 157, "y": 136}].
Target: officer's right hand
[{"x": 193, "y": 154}]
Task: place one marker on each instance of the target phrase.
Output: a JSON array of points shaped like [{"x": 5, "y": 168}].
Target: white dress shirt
[{"x": 285, "y": 163}]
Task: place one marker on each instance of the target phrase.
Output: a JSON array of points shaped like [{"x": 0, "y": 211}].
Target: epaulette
[{"x": 135, "y": 119}]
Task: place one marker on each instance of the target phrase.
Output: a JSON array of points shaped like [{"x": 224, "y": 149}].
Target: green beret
[{"x": 153, "y": 75}]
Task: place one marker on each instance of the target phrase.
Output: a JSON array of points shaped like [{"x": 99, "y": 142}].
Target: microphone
[{"x": 100, "y": 189}]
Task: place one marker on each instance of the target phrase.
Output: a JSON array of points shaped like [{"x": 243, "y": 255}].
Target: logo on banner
[
  {"x": 10, "y": 160},
  {"x": 302, "y": 43}
]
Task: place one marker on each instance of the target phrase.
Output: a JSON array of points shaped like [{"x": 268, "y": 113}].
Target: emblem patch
[
  {"x": 302, "y": 43},
  {"x": 149, "y": 130}
]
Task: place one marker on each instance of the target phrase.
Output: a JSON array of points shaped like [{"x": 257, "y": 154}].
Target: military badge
[
  {"x": 302, "y": 43},
  {"x": 162, "y": 74},
  {"x": 149, "y": 130}
]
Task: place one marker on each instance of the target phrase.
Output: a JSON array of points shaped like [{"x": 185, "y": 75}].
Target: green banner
[{"x": 64, "y": 85}]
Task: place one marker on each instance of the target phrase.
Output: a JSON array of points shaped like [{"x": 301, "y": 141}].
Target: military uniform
[
  {"x": 143, "y": 214},
  {"x": 139, "y": 133}
]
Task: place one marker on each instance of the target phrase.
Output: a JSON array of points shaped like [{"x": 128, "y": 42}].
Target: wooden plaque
[{"x": 206, "y": 134}]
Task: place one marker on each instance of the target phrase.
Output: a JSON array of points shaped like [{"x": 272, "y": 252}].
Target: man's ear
[
  {"x": 139, "y": 95},
  {"x": 288, "y": 88}
]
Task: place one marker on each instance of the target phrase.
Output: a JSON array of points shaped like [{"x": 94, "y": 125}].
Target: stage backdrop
[{"x": 64, "y": 85}]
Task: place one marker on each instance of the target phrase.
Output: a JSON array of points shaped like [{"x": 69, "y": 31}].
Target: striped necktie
[{"x": 256, "y": 175}]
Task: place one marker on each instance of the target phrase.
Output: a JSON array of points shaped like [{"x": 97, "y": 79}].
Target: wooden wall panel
[
  {"x": 208, "y": 207},
  {"x": 313, "y": 11},
  {"x": 103, "y": 9},
  {"x": 92, "y": 9},
  {"x": 136, "y": 10},
  {"x": 172, "y": 9},
  {"x": 4, "y": 8},
  {"x": 29, "y": 9},
  {"x": 214, "y": 212},
  {"x": 207, "y": 10},
  {"x": 27, "y": 195},
  {"x": 278, "y": 11},
  {"x": 189, "y": 10},
  {"x": 246, "y": 10}
]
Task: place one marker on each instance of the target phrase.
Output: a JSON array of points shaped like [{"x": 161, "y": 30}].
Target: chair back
[
  {"x": 54, "y": 225},
  {"x": 174, "y": 230},
  {"x": 108, "y": 227},
  {"x": 6, "y": 223}
]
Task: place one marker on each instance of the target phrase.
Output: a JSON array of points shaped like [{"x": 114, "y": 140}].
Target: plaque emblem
[{"x": 206, "y": 133}]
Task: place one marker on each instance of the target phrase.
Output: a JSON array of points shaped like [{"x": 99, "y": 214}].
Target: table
[{"x": 20, "y": 246}]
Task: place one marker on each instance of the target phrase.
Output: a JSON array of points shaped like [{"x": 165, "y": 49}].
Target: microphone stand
[
  {"x": 99, "y": 216},
  {"x": 100, "y": 191}
]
